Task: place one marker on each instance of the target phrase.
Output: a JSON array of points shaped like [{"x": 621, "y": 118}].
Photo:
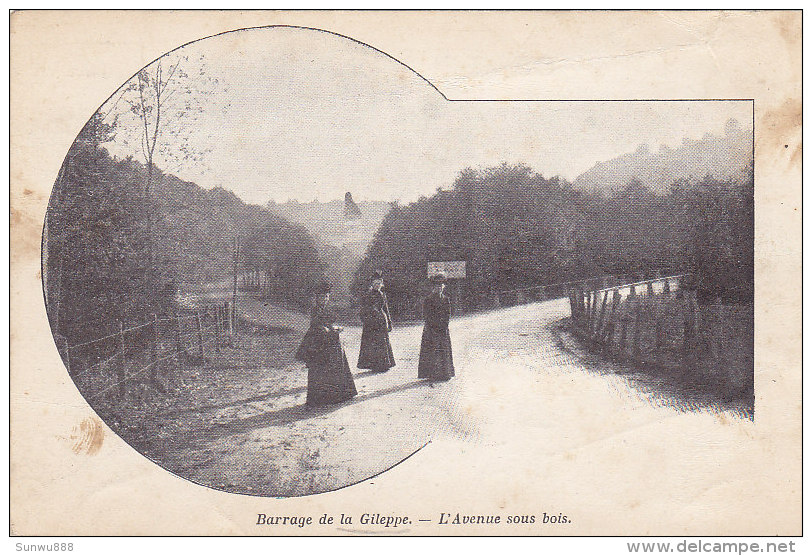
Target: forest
[
  {"x": 515, "y": 228},
  {"x": 122, "y": 237},
  {"x": 115, "y": 249}
]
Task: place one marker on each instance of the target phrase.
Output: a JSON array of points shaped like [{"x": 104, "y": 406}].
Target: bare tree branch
[
  {"x": 144, "y": 117},
  {"x": 171, "y": 73}
]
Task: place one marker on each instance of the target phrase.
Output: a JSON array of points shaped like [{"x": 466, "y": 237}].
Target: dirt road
[{"x": 248, "y": 430}]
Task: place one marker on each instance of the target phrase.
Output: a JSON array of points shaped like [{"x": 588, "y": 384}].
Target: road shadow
[
  {"x": 666, "y": 388},
  {"x": 285, "y": 416},
  {"x": 258, "y": 398}
]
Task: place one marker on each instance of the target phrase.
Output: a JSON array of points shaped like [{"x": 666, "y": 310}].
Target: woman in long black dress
[
  {"x": 329, "y": 379},
  {"x": 376, "y": 351},
  {"x": 436, "y": 361}
]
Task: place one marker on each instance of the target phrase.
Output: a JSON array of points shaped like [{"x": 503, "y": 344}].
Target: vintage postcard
[{"x": 406, "y": 273}]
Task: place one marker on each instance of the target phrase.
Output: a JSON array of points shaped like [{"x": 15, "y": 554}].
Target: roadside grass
[{"x": 150, "y": 412}]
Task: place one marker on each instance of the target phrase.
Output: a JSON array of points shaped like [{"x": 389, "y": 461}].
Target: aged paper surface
[{"x": 657, "y": 473}]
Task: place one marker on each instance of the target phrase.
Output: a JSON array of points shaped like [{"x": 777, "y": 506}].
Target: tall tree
[
  {"x": 54, "y": 246},
  {"x": 516, "y": 229},
  {"x": 165, "y": 100}
]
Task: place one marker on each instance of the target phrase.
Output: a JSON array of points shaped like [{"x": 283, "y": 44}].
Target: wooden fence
[
  {"x": 406, "y": 306},
  {"x": 636, "y": 321},
  {"x": 140, "y": 351},
  {"x": 255, "y": 281}
]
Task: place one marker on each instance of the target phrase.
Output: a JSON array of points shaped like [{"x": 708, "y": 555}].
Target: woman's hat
[
  {"x": 439, "y": 278},
  {"x": 376, "y": 275}
]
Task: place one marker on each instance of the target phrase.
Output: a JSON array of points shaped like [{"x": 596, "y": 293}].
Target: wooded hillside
[
  {"x": 515, "y": 228},
  {"x": 113, "y": 252}
]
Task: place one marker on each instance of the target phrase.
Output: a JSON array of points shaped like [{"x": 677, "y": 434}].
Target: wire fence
[{"x": 114, "y": 362}]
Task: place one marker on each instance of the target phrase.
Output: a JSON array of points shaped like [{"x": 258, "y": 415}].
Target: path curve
[{"x": 519, "y": 390}]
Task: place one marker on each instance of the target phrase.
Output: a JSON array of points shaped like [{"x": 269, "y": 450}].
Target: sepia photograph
[
  {"x": 256, "y": 250},
  {"x": 279, "y": 262}
]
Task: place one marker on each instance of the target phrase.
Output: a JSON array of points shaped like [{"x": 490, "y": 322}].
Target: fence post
[
  {"x": 716, "y": 327},
  {"x": 217, "y": 328},
  {"x": 636, "y": 340},
  {"x": 694, "y": 313},
  {"x": 593, "y": 315},
  {"x": 659, "y": 316},
  {"x": 230, "y": 321},
  {"x": 686, "y": 328},
  {"x": 120, "y": 368},
  {"x": 650, "y": 288},
  {"x": 200, "y": 336},
  {"x": 579, "y": 299},
  {"x": 667, "y": 286},
  {"x": 609, "y": 329},
  {"x": 690, "y": 324},
  {"x": 624, "y": 323},
  {"x": 153, "y": 374},
  {"x": 598, "y": 332},
  {"x": 179, "y": 342}
]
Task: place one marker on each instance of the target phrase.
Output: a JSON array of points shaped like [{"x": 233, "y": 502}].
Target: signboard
[{"x": 452, "y": 269}]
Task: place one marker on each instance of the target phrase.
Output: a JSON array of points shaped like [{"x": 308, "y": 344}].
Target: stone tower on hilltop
[{"x": 351, "y": 210}]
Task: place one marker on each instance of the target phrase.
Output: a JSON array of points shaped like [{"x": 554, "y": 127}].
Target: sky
[{"x": 303, "y": 114}]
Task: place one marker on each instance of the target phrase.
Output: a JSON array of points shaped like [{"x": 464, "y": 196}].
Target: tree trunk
[{"x": 150, "y": 226}]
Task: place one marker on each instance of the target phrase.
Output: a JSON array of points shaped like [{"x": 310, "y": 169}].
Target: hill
[
  {"x": 722, "y": 157},
  {"x": 515, "y": 228},
  {"x": 113, "y": 252}
]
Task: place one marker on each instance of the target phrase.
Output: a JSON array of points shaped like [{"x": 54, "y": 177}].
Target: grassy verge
[{"x": 148, "y": 411}]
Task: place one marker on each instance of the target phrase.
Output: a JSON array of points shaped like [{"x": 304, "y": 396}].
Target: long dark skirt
[
  {"x": 329, "y": 379},
  {"x": 436, "y": 361},
  {"x": 376, "y": 351}
]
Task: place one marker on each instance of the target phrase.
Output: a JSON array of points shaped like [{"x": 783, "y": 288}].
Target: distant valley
[{"x": 341, "y": 240}]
